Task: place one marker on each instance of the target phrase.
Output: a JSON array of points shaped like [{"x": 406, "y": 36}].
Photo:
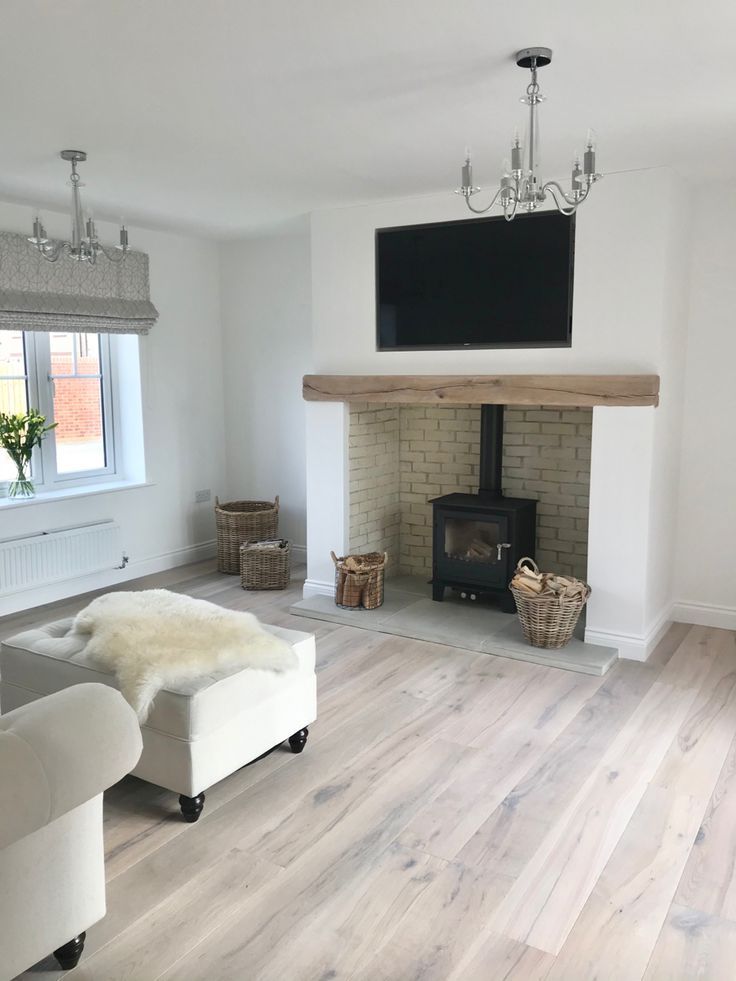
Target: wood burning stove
[{"x": 479, "y": 538}]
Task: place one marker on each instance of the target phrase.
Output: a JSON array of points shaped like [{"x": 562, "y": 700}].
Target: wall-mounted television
[{"x": 477, "y": 283}]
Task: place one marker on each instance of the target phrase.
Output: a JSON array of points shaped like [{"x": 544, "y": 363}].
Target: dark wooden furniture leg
[
  {"x": 191, "y": 807},
  {"x": 68, "y": 955},
  {"x": 299, "y": 740}
]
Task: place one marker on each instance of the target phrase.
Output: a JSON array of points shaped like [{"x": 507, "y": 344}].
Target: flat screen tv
[{"x": 477, "y": 283}]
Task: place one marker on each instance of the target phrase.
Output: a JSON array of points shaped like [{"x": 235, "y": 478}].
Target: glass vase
[{"x": 22, "y": 486}]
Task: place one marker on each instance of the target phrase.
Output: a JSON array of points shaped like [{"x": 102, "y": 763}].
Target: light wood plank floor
[{"x": 454, "y": 817}]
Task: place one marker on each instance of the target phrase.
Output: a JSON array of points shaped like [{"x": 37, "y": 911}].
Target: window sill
[{"x": 50, "y": 497}]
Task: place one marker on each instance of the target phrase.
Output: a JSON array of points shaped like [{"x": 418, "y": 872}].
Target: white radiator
[{"x": 64, "y": 553}]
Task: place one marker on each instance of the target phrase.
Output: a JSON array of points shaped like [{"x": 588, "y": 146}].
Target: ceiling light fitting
[
  {"x": 521, "y": 186},
  {"x": 83, "y": 246}
]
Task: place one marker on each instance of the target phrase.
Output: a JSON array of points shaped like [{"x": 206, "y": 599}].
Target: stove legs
[
  {"x": 506, "y": 603},
  {"x": 438, "y": 592}
]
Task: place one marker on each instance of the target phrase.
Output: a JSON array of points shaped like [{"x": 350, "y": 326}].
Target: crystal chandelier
[
  {"x": 521, "y": 185},
  {"x": 83, "y": 245}
]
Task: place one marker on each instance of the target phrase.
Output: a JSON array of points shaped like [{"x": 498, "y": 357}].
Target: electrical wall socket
[{"x": 202, "y": 496}]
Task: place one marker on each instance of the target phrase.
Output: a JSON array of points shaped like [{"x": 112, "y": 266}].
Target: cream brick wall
[
  {"x": 374, "y": 480},
  {"x": 434, "y": 450},
  {"x": 439, "y": 454},
  {"x": 546, "y": 456}
]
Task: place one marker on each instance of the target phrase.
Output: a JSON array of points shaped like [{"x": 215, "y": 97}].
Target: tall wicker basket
[
  {"x": 265, "y": 565},
  {"x": 548, "y": 621},
  {"x": 241, "y": 521}
]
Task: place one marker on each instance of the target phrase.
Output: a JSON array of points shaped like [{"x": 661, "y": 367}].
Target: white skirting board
[
  {"x": 315, "y": 587},
  {"x": 633, "y": 647},
  {"x": 705, "y": 615}
]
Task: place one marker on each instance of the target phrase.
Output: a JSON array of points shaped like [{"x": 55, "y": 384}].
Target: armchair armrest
[{"x": 60, "y": 751}]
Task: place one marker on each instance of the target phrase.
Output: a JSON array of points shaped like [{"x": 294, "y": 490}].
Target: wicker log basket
[
  {"x": 265, "y": 565},
  {"x": 548, "y": 616},
  {"x": 242, "y": 521},
  {"x": 359, "y": 580}
]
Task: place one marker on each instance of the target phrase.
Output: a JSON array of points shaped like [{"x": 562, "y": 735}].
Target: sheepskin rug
[{"x": 154, "y": 639}]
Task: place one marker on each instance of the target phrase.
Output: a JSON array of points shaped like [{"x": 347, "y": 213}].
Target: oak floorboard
[
  {"x": 694, "y": 760},
  {"x": 325, "y": 881},
  {"x": 691, "y": 661},
  {"x": 214, "y": 894},
  {"x": 508, "y": 839},
  {"x": 433, "y": 937},
  {"x": 694, "y": 946},
  {"x": 614, "y": 936},
  {"x": 552, "y": 889},
  {"x": 708, "y": 882},
  {"x": 511, "y": 743}
]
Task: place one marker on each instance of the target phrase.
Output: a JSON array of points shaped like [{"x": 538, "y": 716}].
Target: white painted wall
[
  {"x": 619, "y": 271},
  {"x": 183, "y": 411},
  {"x": 266, "y": 314},
  {"x": 627, "y": 295},
  {"x": 705, "y": 580}
]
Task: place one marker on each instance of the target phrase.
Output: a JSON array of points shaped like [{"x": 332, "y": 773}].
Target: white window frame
[{"x": 40, "y": 395}]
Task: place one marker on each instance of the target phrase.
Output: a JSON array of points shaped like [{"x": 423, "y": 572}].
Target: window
[{"x": 66, "y": 376}]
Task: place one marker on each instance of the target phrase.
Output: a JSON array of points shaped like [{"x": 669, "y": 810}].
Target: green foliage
[{"x": 20, "y": 433}]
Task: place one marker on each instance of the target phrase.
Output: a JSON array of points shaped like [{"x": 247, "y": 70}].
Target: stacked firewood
[{"x": 547, "y": 584}]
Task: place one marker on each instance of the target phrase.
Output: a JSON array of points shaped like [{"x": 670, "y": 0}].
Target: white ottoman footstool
[{"x": 196, "y": 734}]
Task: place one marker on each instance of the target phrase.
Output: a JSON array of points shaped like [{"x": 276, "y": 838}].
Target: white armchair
[{"x": 57, "y": 755}]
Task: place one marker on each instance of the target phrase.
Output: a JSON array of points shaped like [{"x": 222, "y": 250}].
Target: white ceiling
[{"x": 226, "y": 115}]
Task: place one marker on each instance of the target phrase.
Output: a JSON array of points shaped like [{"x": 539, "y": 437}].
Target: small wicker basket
[
  {"x": 547, "y": 621},
  {"x": 363, "y": 587},
  {"x": 265, "y": 565},
  {"x": 241, "y": 521}
]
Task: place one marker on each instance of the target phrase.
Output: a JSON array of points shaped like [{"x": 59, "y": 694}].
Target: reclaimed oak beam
[{"x": 560, "y": 390}]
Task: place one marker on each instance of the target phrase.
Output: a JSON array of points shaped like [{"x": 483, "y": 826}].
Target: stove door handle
[{"x": 502, "y": 545}]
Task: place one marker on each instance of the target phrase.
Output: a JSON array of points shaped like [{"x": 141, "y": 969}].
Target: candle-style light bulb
[
  {"x": 467, "y": 170},
  {"x": 507, "y": 184},
  {"x": 123, "y": 246},
  {"x": 577, "y": 174},
  {"x": 39, "y": 232},
  {"x": 517, "y": 153},
  {"x": 589, "y": 155}
]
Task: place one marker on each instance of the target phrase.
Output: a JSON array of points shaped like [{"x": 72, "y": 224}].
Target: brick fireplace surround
[
  {"x": 400, "y": 456},
  {"x": 379, "y": 447}
]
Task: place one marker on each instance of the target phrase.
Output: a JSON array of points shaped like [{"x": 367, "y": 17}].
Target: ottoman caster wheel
[
  {"x": 191, "y": 807},
  {"x": 299, "y": 740},
  {"x": 68, "y": 955}
]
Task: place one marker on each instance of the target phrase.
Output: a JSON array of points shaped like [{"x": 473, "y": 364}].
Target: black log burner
[{"x": 479, "y": 538}]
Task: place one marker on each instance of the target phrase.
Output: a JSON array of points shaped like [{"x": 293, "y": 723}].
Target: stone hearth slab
[{"x": 407, "y": 612}]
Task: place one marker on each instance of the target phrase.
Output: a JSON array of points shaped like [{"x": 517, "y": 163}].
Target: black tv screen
[{"x": 476, "y": 283}]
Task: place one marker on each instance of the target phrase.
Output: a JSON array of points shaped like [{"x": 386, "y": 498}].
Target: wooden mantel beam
[{"x": 572, "y": 390}]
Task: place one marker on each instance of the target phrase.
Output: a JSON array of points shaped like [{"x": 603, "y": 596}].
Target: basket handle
[
  {"x": 530, "y": 561},
  {"x": 276, "y": 502},
  {"x": 334, "y": 558},
  {"x": 217, "y": 501},
  {"x": 385, "y": 558}
]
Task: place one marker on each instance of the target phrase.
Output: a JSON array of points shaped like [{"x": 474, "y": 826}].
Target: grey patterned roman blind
[{"x": 109, "y": 297}]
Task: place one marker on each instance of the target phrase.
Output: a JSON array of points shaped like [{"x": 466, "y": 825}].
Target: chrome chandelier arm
[
  {"x": 557, "y": 192},
  {"x": 482, "y": 211},
  {"x": 114, "y": 254},
  {"x": 52, "y": 253},
  {"x": 510, "y": 217}
]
